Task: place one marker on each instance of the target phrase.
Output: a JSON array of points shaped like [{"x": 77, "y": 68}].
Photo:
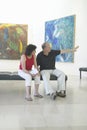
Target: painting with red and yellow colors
[{"x": 13, "y": 40}]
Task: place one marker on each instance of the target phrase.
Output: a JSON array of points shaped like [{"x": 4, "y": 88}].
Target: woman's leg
[
  {"x": 36, "y": 90},
  {"x": 28, "y": 93},
  {"x": 28, "y": 80}
]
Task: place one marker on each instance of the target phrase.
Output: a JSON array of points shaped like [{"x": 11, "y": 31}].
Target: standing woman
[{"x": 26, "y": 62}]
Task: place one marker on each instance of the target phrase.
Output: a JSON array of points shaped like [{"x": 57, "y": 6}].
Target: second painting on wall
[{"x": 61, "y": 34}]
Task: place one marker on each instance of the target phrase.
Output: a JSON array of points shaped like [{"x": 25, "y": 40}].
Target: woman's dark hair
[{"x": 29, "y": 49}]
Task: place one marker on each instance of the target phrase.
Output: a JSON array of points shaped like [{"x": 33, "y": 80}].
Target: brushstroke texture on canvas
[{"x": 60, "y": 33}]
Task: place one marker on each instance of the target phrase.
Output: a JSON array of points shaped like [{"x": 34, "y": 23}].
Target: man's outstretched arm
[{"x": 69, "y": 50}]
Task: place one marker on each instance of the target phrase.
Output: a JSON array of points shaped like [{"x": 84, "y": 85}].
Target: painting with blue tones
[{"x": 61, "y": 34}]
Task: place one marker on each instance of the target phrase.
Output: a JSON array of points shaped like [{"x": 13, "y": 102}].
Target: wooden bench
[{"x": 82, "y": 69}]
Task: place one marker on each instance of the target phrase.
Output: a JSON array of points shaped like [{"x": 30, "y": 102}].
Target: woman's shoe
[
  {"x": 38, "y": 95},
  {"x": 28, "y": 98}
]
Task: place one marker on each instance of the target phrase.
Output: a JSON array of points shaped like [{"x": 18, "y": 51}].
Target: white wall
[{"x": 35, "y": 13}]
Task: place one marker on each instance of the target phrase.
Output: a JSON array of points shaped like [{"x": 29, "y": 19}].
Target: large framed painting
[
  {"x": 13, "y": 40},
  {"x": 60, "y": 33}
]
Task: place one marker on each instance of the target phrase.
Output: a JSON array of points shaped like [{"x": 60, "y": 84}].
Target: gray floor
[{"x": 68, "y": 113}]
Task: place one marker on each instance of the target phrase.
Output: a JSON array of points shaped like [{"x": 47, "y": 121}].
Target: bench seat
[{"x": 14, "y": 76}]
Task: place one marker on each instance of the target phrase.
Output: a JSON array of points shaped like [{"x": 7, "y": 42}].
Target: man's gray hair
[{"x": 44, "y": 45}]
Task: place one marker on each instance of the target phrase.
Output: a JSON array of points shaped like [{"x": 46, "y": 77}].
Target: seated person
[
  {"x": 25, "y": 71},
  {"x": 46, "y": 61}
]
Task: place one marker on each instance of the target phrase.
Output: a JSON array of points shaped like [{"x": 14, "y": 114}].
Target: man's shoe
[
  {"x": 48, "y": 94},
  {"x": 53, "y": 96},
  {"x": 61, "y": 94}
]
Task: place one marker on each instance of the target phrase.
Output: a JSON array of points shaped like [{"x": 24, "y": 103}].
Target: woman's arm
[
  {"x": 35, "y": 62},
  {"x": 23, "y": 63},
  {"x": 69, "y": 50}
]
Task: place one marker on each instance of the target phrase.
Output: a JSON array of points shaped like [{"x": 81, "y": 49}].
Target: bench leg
[{"x": 80, "y": 74}]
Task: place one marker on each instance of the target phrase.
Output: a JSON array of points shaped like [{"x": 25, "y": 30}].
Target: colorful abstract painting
[
  {"x": 13, "y": 40},
  {"x": 61, "y": 34}
]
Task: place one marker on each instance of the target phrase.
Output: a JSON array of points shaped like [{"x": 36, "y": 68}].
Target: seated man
[{"x": 46, "y": 61}]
